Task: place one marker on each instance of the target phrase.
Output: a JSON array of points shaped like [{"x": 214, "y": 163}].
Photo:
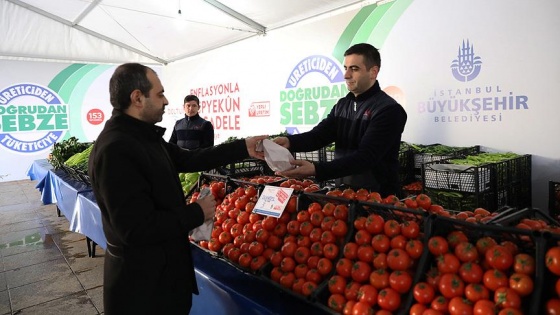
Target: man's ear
[{"x": 136, "y": 98}]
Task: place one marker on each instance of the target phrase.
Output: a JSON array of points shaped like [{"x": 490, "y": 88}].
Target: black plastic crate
[
  {"x": 406, "y": 165},
  {"x": 312, "y": 156},
  {"x": 554, "y": 199},
  {"x": 420, "y": 158},
  {"x": 247, "y": 167},
  {"x": 491, "y": 186}
]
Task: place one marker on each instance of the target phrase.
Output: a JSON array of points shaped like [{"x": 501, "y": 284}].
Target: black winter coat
[
  {"x": 134, "y": 175},
  {"x": 367, "y": 133},
  {"x": 193, "y": 133}
]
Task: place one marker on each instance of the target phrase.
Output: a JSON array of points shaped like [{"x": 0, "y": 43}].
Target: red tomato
[
  {"x": 380, "y": 261},
  {"x": 423, "y": 201},
  {"x": 389, "y": 299},
  {"x": 302, "y": 254},
  {"x": 316, "y": 218},
  {"x": 440, "y": 303},
  {"x": 256, "y": 249},
  {"x": 471, "y": 272},
  {"x": 398, "y": 241},
  {"x": 437, "y": 245},
  {"x": 448, "y": 263},
  {"x": 524, "y": 263},
  {"x": 341, "y": 212},
  {"x": 475, "y": 292},
  {"x": 288, "y": 249},
  {"x": 484, "y": 243},
  {"x": 339, "y": 228},
  {"x": 450, "y": 285},
  {"x": 287, "y": 264},
  {"x": 553, "y": 307},
  {"x": 392, "y": 228},
  {"x": 368, "y": 294},
  {"x": 414, "y": 248},
  {"x": 400, "y": 281},
  {"x": 552, "y": 260},
  {"x": 398, "y": 259},
  {"x": 350, "y": 250},
  {"x": 305, "y": 228},
  {"x": 494, "y": 278},
  {"x": 362, "y": 237},
  {"x": 245, "y": 260},
  {"x": 379, "y": 278},
  {"x": 330, "y": 251},
  {"x": 336, "y": 302},
  {"x": 466, "y": 251},
  {"x": 225, "y": 238},
  {"x": 314, "y": 207},
  {"x": 410, "y": 229},
  {"x": 484, "y": 307},
  {"x": 257, "y": 263},
  {"x": 499, "y": 257},
  {"x": 374, "y": 224},
  {"x": 365, "y": 253},
  {"x": 460, "y": 306},
  {"x": 360, "y": 271},
  {"x": 324, "y": 266},
  {"x": 456, "y": 237},
  {"x": 308, "y": 287},
  {"x": 381, "y": 243},
  {"x": 344, "y": 267},
  {"x": 287, "y": 279},
  {"x": 337, "y": 284},
  {"x": 507, "y": 297},
  {"x": 423, "y": 293},
  {"x": 327, "y": 223},
  {"x": 351, "y": 291},
  {"x": 521, "y": 283}
]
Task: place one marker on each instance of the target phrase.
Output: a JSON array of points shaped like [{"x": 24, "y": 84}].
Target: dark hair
[
  {"x": 191, "y": 97},
  {"x": 127, "y": 78},
  {"x": 370, "y": 53}
]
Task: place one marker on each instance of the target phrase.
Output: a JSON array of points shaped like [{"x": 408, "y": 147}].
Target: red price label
[{"x": 95, "y": 116}]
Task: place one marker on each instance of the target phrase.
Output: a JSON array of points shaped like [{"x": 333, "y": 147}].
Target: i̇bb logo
[{"x": 95, "y": 116}]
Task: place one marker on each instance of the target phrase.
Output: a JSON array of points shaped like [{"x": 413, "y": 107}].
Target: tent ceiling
[{"x": 160, "y": 31}]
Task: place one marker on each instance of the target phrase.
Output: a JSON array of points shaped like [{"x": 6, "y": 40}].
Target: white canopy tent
[{"x": 147, "y": 31}]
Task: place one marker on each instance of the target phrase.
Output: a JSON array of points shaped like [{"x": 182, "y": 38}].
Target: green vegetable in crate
[
  {"x": 484, "y": 158},
  {"x": 79, "y": 159},
  {"x": 62, "y": 151},
  {"x": 188, "y": 180}
]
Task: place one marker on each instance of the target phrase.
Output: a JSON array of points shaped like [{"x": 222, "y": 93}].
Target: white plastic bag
[{"x": 276, "y": 156}]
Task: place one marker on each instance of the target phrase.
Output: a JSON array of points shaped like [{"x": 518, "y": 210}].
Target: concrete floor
[{"x": 44, "y": 268}]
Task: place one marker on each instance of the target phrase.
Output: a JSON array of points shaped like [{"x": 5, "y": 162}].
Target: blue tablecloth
[
  {"x": 60, "y": 188},
  {"x": 87, "y": 219},
  {"x": 39, "y": 169}
]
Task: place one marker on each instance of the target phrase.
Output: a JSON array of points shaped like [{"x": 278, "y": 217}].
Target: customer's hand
[
  {"x": 208, "y": 205},
  {"x": 252, "y": 143},
  {"x": 303, "y": 169},
  {"x": 283, "y": 141}
]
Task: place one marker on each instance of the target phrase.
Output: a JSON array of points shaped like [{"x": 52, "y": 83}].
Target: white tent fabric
[{"x": 146, "y": 31}]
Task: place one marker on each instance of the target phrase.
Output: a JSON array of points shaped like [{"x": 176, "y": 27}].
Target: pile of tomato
[
  {"x": 357, "y": 258},
  {"x": 376, "y": 270},
  {"x": 470, "y": 271}
]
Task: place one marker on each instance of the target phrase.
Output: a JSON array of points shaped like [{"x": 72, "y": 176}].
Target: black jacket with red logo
[{"x": 367, "y": 133}]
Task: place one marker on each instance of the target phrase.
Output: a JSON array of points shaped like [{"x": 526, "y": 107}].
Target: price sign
[{"x": 273, "y": 201}]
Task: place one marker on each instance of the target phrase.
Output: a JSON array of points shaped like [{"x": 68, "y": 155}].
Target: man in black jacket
[
  {"x": 193, "y": 131},
  {"x": 366, "y": 127},
  {"x": 134, "y": 173}
]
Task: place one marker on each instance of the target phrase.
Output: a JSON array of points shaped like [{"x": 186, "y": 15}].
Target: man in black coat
[
  {"x": 134, "y": 173},
  {"x": 193, "y": 131},
  {"x": 366, "y": 127}
]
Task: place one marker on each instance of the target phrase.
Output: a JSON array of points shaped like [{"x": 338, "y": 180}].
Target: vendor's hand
[
  {"x": 303, "y": 169},
  {"x": 283, "y": 141},
  {"x": 252, "y": 144},
  {"x": 208, "y": 205}
]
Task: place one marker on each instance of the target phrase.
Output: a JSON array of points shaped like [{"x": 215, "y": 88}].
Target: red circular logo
[{"x": 95, "y": 116}]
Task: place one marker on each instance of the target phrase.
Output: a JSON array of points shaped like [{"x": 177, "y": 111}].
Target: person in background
[
  {"x": 148, "y": 267},
  {"x": 366, "y": 127},
  {"x": 193, "y": 131}
]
